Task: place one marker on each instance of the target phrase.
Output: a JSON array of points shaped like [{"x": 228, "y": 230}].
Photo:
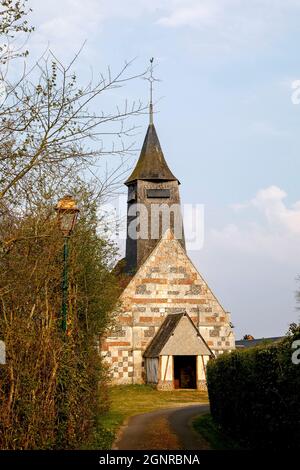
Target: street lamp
[{"x": 67, "y": 213}]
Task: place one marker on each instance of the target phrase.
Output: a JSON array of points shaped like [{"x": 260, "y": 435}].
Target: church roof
[
  {"x": 251, "y": 343},
  {"x": 162, "y": 336},
  {"x": 151, "y": 164},
  {"x": 166, "y": 330}
]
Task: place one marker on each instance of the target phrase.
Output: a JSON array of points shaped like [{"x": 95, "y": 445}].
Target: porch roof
[{"x": 165, "y": 338}]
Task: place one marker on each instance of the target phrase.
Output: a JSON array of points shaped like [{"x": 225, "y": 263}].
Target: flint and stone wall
[{"x": 166, "y": 283}]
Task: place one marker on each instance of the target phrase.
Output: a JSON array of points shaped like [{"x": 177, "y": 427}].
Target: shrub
[
  {"x": 51, "y": 385},
  {"x": 254, "y": 395}
]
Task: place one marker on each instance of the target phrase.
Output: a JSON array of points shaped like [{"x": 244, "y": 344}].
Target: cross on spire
[{"x": 151, "y": 79}]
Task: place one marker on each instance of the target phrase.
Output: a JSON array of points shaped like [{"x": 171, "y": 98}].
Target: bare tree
[
  {"x": 46, "y": 126},
  {"x": 50, "y": 135}
]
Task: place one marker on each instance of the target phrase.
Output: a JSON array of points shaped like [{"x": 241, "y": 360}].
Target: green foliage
[
  {"x": 213, "y": 434},
  {"x": 53, "y": 387},
  {"x": 254, "y": 395}
]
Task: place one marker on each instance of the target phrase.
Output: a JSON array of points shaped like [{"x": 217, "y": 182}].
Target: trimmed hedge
[{"x": 254, "y": 395}]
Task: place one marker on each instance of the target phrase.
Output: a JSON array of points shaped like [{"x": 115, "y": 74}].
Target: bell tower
[{"x": 153, "y": 204}]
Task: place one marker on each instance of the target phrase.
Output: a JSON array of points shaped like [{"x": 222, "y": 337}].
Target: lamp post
[{"x": 67, "y": 213}]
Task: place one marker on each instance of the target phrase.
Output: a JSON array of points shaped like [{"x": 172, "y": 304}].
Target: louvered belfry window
[{"x": 158, "y": 193}]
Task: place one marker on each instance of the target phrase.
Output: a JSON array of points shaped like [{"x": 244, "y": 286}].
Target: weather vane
[{"x": 151, "y": 79}]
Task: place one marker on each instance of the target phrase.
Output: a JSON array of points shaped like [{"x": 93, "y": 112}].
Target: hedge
[{"x": 254, "y": 395}]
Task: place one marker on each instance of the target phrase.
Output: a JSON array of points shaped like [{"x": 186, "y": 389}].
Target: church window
[{"x": 158, "y": 193}]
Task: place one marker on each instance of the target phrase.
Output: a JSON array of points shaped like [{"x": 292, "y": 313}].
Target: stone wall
[{"x": 166, "y": 283}]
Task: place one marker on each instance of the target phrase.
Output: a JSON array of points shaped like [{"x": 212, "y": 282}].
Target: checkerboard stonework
[
  {"x": 168, "y": 291},
  {"x": 122, "y": 364}
]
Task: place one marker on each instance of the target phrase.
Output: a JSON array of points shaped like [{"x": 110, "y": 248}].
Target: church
[{"x": 169, "y": 323}]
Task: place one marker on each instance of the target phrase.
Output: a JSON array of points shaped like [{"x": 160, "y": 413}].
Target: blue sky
[{"x": 226, "y": 122}]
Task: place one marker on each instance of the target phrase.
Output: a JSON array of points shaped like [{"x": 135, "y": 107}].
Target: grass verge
[
  {"x": 217, "y": 439},
  {"x": 130, "y": 400}
]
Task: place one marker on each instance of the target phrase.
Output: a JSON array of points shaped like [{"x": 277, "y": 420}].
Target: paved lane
[{"x": 165, "y": 429}]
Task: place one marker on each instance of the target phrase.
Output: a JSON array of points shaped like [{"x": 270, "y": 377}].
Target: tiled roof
[
  {"x": 166, "y": 330},
  {"x": 251, "y": 343}
]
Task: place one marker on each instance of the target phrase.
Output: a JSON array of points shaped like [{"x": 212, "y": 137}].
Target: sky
[{"x": 227, "y": 114}]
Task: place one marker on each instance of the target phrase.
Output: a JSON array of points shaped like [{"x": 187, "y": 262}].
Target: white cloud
[
  {"x": 270, "y": 202},
  {"x": 272, "y": 230},
  {"x": 194, "y": 14},
  {"x": 253, "y": 261},
  {"x": 237, "y": 13},
  {"x": 266, "y": 128},
  {"x": 229, "y": 25},
  {"x": 65, "y": 24},
  {"x": 223, "y": 23}
]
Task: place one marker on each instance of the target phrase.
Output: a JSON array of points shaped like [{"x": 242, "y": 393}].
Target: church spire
[
  {"x": 153, "y": 204},
  {"x": 151, "y": 164}
]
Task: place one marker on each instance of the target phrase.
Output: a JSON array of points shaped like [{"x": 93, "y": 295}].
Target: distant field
[{"x": 130, "y": 400}]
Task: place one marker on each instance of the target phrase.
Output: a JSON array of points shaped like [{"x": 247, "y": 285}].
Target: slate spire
[{"x": 152, "y": 164}]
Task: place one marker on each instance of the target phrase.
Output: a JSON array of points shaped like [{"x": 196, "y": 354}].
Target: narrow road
[{"x": 165, "y": 429}]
